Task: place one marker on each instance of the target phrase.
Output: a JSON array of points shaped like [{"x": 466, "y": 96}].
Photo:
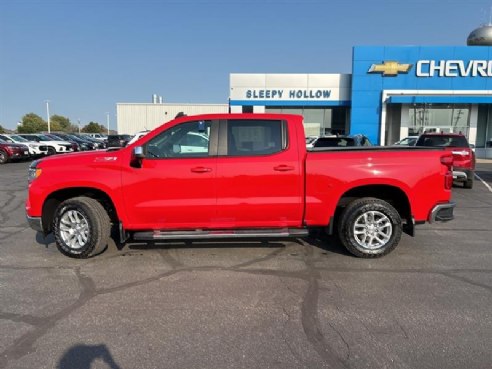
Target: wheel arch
[
  {"x": 395, "y": 196},
  {"x": 57, "y": 197}
]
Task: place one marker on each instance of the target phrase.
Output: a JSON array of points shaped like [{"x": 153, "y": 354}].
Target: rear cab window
[{"x": 442, "y": 141}]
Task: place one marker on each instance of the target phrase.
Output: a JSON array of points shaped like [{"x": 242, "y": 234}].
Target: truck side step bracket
[{"x": 215, "y": 234}]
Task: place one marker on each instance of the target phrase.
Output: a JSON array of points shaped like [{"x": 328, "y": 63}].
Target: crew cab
[
  {"x": 463, "y": 154},
  {"x": 238, "y": 176}
]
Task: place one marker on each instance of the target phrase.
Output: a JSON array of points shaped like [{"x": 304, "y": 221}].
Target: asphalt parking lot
[{"x": 281, "y": 304}]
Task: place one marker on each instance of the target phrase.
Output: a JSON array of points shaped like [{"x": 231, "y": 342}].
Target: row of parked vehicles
[
  {"x": 32, "y": 145},
  {"x": 26, "y": 146}
]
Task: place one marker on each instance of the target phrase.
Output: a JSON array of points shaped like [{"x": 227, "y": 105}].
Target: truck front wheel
[
  {"x": 370, "y": 227},
  {"x": 81, "y": 227}
]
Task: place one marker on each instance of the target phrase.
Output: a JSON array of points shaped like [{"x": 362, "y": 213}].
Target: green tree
[
  {"x": 60, "y": 123},
  {"x": 93, "y": 127},
  {"x": 32, "y": 123},
  {"x": 2, "y": 130},
  {"x": 73, "y": 128}
]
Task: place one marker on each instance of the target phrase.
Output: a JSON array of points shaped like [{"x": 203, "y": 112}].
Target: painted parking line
[{"x": 485, "y": 183}]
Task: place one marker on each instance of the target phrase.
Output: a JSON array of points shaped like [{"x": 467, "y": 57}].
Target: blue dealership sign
[{"x": 406, "y": 74}]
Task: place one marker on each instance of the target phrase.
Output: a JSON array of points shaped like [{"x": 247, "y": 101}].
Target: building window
[
  {"x": 247, "y": 108},
  {"x": 318, "y": 121},
  {"x": 439, "y": 118}
]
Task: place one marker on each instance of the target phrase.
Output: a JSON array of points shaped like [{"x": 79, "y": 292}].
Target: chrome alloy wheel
[
  {"x": 74, "y": 229},
  {"x": 372, "y": 230}
]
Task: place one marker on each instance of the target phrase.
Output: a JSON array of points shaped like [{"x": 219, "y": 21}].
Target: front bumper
[
  {"x": 442, "y": 212},
  {"x": 35, "y": 223},
  {"x": 20, "y": 154}
]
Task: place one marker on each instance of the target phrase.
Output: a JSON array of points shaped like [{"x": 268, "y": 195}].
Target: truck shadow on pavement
[
  {"x": 82, "y": 357},
  {"x": 329, "y": 244}
]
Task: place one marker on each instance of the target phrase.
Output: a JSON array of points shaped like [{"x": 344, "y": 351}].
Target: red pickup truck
[{"x": 238, "y": 176}]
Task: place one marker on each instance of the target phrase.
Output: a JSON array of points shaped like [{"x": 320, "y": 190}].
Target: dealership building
[{"x": 393, "y": 92}]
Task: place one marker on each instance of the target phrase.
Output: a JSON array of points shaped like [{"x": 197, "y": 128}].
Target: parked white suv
[
  {"x": 53, "y": 145},
  {"x": 35, "y": 148},
  {"x": 97, "y": 136}
]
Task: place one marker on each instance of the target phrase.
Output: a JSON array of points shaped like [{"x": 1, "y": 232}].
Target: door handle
[
  {"x": 283, "y": 168},
  {"x": 201, "y": 170}
]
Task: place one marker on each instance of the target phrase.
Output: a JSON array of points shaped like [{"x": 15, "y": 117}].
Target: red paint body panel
[
  {"x": 290, "y": 188},
  {"x": 419, "y": 174},
  {"x": 166, "y": 193},
  {"x": 262, "y": 191}
]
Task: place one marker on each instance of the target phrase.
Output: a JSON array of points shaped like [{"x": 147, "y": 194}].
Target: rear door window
[{"x": 254, "y": 137}]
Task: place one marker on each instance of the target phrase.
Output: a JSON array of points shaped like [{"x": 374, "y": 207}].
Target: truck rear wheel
[
  {"x": 81, "y": 227},
  {"x": 468, "y": 183},
  {"x": 370, "y": 227}
]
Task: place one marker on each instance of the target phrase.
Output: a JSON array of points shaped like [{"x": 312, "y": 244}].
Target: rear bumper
[
  {"x": 442, "y": 212},
  {"x": 461, "y": 174},
  {"x": 35, "y": 223}
]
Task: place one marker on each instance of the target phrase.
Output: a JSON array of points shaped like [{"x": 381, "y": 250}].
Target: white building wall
[
  {"x": 251, "y": 86},
  {"x": 472, "y": 134},
  {"x": 405, "y": 121},
  {"x": 132, "y": 118}
]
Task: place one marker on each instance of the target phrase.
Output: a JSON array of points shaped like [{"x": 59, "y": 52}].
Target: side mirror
[
  {"x": 137, "y": 156},
  {"x": 138, "y": 152}
]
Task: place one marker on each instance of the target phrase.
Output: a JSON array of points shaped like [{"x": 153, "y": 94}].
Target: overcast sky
[{"x": 85, "y": 56}]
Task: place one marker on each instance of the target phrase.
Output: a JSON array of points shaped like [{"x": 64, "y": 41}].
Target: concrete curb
[{"x": 484, "y": 161}]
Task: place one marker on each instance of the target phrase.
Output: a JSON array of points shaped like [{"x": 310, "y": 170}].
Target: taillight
[
  {"x": 447, "y": 160},
  {"x": 464, "y": 153}
]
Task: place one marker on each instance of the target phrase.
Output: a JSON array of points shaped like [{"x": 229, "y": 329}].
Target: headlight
[
  {"x": 33, "y": 172},
  {"x": 32, "y": 146}
]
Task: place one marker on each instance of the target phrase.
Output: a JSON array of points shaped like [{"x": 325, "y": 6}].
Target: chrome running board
[{"x": 216, "y": 234}]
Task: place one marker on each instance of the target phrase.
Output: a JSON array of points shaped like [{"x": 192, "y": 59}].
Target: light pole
[
  {"x": 48, "y": 115},
  {"x": 79, "y": 125},
  {"x": 107, "y": 121}
]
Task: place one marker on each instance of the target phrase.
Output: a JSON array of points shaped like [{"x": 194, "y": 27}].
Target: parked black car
[
  {"x": 342, "y": 141},
  {"x": 118, "y": 140},
  {"x": 99, "y": 144}
]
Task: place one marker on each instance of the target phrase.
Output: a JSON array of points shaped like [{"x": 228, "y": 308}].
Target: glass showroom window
[{"x": 439, "y": 118}]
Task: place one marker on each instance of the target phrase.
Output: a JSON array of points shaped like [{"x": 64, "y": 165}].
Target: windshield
[
  {"x": 44, "y": 138},
  {"x": 18, "y": 138}
]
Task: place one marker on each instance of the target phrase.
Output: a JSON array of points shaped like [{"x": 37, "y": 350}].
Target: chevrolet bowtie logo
[{"x": 390, "y": 68}]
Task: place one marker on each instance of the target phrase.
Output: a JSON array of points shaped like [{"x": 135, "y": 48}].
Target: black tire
[
  {"x": 4, "y": 158},
  {"x": 468, "y": 183},
  {"x": 374, "y": 217},
  {"x": 51, "y": 151},
  {"x": 94, "y": 223}
]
